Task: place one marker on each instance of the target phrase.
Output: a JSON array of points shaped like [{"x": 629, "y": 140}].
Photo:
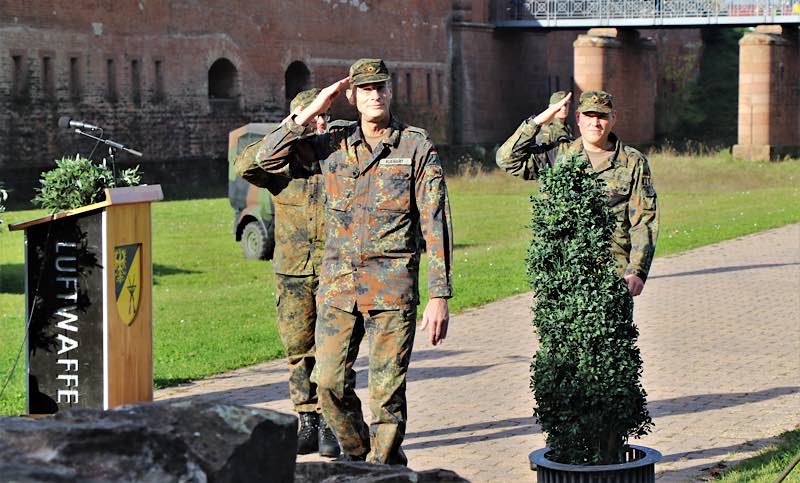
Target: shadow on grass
[
  {"x": 162, "y": 382},
  {"x": 775, "y": 458},
  {"x": 709, "y": 470},
  {"x": 166, "y": 270},
  {"x": 12, "y": 278}
]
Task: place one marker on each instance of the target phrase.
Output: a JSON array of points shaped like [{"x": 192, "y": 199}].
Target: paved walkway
[{"x": 720, "y": 337}]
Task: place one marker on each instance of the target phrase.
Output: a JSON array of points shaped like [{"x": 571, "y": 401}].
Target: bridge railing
[{"x": 598, "y": 13}]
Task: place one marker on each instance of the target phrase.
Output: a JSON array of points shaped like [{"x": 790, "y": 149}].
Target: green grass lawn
[
  {"x": 769, "y": 464},
  {"x": 214, "y": 310}
]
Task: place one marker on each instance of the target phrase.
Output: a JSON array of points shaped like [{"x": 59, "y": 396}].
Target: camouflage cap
[
  {"x": 303, "y": 99},
  {"x": 596, "y": 101},
  {"x": 557, "y": 96},
  {"x": 366, "y": 71}
]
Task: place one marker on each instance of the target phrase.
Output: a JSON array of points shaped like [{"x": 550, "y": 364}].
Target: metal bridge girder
[{"x": 643, "y": 13}]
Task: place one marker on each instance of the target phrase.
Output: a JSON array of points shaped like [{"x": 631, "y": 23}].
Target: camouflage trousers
[
  {"x": 391, "y": 337},
  {"x": 297, "y": 315}
]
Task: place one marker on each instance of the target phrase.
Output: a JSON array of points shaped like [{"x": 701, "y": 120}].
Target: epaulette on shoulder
[
  {"x": 250, "y": 146},
  {"x": 249, "y": 152},
  {"x": 417, "y": 130},
  {"x": 634, "y": 154},
  {"x": 340, "y": 124},
  {"x": 573, "y": 147}
]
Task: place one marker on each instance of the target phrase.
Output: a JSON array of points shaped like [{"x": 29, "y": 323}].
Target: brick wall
[
  {"x": 768, "y": 98},
  {"x": 56, "y": 59},
  {"x": 453, "y": 74},
  {"x": 500, "y": 78}
]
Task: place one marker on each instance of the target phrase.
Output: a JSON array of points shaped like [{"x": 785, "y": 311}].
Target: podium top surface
[{"x": 114, "y": 196}]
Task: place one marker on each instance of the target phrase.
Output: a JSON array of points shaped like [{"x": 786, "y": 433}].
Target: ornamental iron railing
[{"x": 599, "y": 13}]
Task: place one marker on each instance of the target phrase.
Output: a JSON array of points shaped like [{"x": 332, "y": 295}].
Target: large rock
[
  {"x": 164, "y": 441},
  {"x": 341, "y": 472}
]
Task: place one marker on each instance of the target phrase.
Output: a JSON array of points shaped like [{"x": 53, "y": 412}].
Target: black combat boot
[
  {"x": 328, "y": 445},
  {"x": 307, "y": 436}
]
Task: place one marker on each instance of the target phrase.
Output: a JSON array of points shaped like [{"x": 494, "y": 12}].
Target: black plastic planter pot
[{"x": 640, "y": 467}]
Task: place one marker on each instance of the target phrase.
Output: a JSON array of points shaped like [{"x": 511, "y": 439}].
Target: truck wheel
[{"x": 254, "y": 241}]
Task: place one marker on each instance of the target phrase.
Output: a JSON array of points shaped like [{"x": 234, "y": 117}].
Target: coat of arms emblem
[{"x": 127, "y": 280}]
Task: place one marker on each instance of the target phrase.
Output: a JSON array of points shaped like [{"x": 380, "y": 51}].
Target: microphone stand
[
  {"x": 110, "y": 143},
  {"x": 113, "y": 146}
]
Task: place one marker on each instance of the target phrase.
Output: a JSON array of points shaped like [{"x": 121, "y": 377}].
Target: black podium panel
[{"x": 65, "y": 306}]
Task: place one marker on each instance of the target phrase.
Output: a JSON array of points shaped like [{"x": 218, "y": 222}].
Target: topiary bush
[
  {"x": 586, "y": 373},
  {"x": 76, "y": 182}
]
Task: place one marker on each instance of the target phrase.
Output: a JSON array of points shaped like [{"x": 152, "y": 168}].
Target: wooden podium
[{"x": 88, "y": 299}]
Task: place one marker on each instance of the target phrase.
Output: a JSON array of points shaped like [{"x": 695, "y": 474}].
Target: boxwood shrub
[{"x": 586, "y": 374}]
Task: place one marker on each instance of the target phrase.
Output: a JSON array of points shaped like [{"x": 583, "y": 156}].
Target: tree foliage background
[{"x": 697, "y": 102}]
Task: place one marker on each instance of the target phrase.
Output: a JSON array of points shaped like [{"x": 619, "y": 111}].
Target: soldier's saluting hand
[
  {"x": 384, "y": 187},
  {"x": 623, "y": 170}
]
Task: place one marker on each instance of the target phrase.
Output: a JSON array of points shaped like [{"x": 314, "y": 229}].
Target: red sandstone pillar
[
  {"x": 475, "y": 11},
  {"x": 623, "y": 64},
  {"x": 769, "y": 94},
  {"x": 480, "y": 11}
]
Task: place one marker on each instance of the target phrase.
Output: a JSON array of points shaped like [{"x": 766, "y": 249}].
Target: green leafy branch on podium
[{"x": 77, "y": 181}]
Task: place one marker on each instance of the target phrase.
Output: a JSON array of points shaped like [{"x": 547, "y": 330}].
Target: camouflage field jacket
[
  {"x": 377, "y": 206},
  {"x": 554, "y": 131},
  {"x": 552, "y": 134},
  {"x": 628, "y": 185},
  {"x": 299, "y": 220}
]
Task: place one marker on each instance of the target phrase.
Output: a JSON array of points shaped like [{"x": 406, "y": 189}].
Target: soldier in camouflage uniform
[
  {"x": 623, "y": 169},
  {"x": 299, "y": 242},
  {"x": 556, "y": 131},
  {"x": 384, "y": 187}
]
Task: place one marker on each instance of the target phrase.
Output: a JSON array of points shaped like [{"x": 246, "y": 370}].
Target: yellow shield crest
[{"x": 128, "y": 280}]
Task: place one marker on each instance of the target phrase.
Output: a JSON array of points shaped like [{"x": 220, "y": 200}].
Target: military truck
[{"x": 254, "y": 216}]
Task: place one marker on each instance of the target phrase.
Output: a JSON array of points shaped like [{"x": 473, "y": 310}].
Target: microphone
[{"x": 65, "y": 122}]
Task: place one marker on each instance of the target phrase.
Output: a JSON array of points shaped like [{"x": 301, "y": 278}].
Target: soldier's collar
[
  {"x": 617, "y": 146},
  {"x": 392, "y": 137},
  {"x": 576, "y": 146},
  {"x": 395, "y": 128},
  {"x": 613, "y": 160},
  {"x": 355, "y": 136}
]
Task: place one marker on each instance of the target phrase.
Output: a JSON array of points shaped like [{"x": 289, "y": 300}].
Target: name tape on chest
[{"x": 395, "y": 162}]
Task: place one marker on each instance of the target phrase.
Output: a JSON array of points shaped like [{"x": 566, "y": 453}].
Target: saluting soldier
[
  {"x": 384, "y": 186},
  {"x": 557, "y": 130},
  {"x": 299, "y": 242},
  {"x": 623, "y": 170}
]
